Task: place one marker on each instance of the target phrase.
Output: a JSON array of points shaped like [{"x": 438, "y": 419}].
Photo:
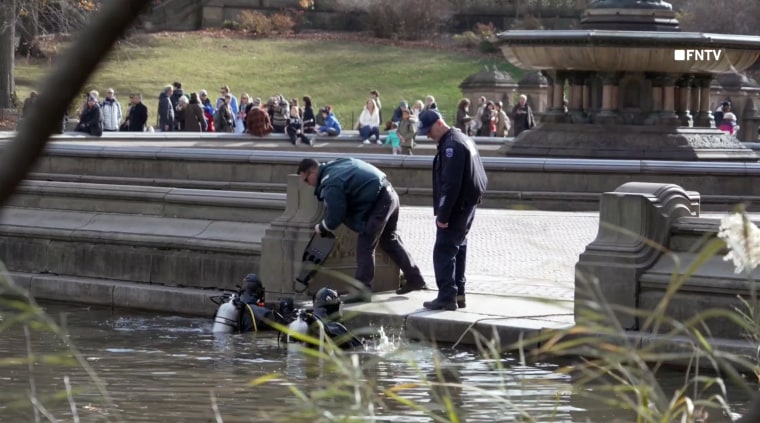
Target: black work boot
[
  {"x": 461, "y": 302},
  {"x": 437, "y": 304}
]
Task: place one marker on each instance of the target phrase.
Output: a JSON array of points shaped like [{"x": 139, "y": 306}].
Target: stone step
[
  {"x": 532, "y": 183},
  {"x": 237, "y": 206},
  {"x": 134, "y": 248}
]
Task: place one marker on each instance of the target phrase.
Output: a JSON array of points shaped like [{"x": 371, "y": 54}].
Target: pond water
[{"x": 173, "y": 369}]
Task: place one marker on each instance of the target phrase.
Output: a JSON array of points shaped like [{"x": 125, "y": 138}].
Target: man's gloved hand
[{"x": 322, "y": 231}]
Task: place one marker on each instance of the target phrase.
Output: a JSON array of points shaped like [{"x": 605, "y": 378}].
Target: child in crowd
[
  {"x": 728, "y": 124},
  {"x": 393, "y": 139}
]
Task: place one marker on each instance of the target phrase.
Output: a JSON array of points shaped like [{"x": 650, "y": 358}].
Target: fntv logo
[{"x": 697, "y": 55}]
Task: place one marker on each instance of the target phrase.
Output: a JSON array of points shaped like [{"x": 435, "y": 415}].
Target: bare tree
[
  {"x": 38, "y": 17},
  {"x": 7, "y": 37},
  {"x": 726, "y": 16}
]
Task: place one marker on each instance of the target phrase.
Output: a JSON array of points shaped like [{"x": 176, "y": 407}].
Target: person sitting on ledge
[
  {"x": 257, "y": 121},
  {"x": 91, "y": 119},
  {"x": 332, "y": 125}
]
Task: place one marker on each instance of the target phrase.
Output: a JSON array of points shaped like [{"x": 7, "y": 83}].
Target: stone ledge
[
  {"x": 150, "y": 200},
  {"x": 508, "y": 318},
  {"x": 536, "y": 164},
  {"x": 134, "y": 230},
  {"x": 683, "y": 346},
  {"x": 160, "y": 298},
  {"x": 141, "y": 249},
  {"x": 195, "y": 184}
]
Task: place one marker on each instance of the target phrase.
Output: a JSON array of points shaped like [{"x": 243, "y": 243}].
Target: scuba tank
[
  {"x": 299, "y": 325},
  {"x": 227, "y": 316}
]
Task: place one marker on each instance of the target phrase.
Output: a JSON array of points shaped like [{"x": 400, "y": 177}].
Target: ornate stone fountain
[{"x": 630, "y": 94}]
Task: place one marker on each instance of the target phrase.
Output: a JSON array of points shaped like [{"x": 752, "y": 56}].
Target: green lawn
[{"x": 331, "y": 72}]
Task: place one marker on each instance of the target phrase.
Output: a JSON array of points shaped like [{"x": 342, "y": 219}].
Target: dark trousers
[
  {"x": 450, "y": 255},
  {"x": 367, "y": 131},
  {"x": 381, "y": 228},
  {"x": 293, "y": 135}
]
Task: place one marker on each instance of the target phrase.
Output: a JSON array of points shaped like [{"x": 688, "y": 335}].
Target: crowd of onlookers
[{"x": 196, "y": 112}]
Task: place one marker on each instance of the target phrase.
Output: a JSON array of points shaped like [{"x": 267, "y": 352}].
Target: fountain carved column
[
  {"x": 578, "y": 81},
  {"x": 668, "y": 114},
  {"x": 684, "y": 99},
  {"x": 587, "y": 94},
  {"x": 550, "y": 90},
  {"x": 609, "y": 112},
  {"x": 556, "y": 113},
  {"x": 704, "y": 117},
  {"x": 657, "y": 97}
]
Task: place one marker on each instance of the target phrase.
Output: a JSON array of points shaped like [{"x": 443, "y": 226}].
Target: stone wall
[{"x": 332, "y": 15}]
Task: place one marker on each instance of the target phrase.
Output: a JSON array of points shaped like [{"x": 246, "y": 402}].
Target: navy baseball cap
[{"x": 427, "y": 119}]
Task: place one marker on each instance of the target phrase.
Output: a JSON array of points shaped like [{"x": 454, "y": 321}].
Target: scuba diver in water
[
  {"x": 247, "y": 311},
  {"x": 326, "y": 317}
]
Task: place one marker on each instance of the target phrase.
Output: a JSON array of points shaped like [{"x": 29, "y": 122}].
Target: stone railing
[{"x": 652, "y": 240}]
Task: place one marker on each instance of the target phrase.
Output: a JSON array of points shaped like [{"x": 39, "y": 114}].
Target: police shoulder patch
[{"x": 449, "y": 152}]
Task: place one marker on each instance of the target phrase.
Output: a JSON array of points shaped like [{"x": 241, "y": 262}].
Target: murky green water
[{"x": 158, "y": 368}]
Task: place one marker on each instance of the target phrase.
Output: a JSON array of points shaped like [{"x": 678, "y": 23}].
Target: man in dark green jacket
[{"x": 358, "y": 195}]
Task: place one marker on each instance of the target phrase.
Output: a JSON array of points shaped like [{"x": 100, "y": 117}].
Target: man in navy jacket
[{"x": 459, "y": 182}]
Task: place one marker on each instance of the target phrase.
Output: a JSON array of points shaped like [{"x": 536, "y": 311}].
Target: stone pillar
[
  {"x": 587, "y": 94},
  {"x": 609, "y": 112},
  {"x": 556, "y": 81},
  {"x": 550, "y": 90},
  {"x": 633, "y": 221},
  {"x": 577, "y": 80},
  {"x": 684, "y": 99},
  {"x": 750, "y": 121},
  {"x": 284, "y": 241},
  {"x": 657, "y": 97},
  {"x": 668, "y": 115},
  {"x": 704, "y": 117}
]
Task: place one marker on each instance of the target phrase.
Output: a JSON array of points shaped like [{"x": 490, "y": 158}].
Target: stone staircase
[{"x": 146, "y": 235}]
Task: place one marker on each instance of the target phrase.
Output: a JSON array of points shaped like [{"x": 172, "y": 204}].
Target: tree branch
[{"x": 58, "y": 89}]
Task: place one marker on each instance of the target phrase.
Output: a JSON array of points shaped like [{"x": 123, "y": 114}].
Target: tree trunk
[
  {"x": 7, "y": 35},
  {"x": 28, "y": 45}
]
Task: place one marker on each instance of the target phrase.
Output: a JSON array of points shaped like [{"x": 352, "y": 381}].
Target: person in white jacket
[
  {"x": 111, "y": 112},
  {"x": 369, "y": 122}
]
